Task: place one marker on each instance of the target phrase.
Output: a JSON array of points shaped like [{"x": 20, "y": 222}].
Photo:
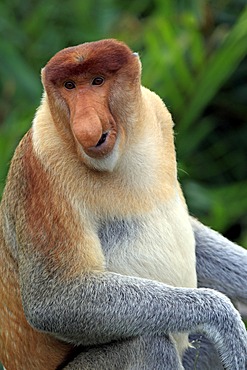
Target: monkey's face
[{"x": 89, "y": 89}]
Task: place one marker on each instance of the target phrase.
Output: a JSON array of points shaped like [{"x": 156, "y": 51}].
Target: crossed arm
[{"x": 101, "y": 307}]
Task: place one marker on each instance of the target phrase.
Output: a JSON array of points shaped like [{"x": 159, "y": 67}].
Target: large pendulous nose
[{"x": 87, "y": 128}]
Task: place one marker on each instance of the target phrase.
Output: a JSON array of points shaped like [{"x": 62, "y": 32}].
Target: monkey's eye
[
  {"x": 69, "y": 85},
  {"x": 98, "y": 81}
]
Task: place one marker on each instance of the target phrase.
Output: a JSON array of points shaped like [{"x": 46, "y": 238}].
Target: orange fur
[
  {"x": 88, "y": 58},
  {"x": 22, "y": 347},
  {"x": 48, "y": 217}
]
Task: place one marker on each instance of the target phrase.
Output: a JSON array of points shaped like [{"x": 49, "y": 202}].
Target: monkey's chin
[{"x": 103, "y": 162}]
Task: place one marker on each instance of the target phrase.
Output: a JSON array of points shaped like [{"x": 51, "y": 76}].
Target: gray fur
[
  {"x": 148, "y": 353},
  {"x": 221, "y": 264},
  {"x": 141, "y": 353},
  {"x": 202, "y": 355},
  {"x": 117, "y": 233},
  {"x": 100, "y": 308}
]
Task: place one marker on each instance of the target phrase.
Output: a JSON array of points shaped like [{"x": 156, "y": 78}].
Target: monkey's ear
[
  {"x": 42, "y": 73},
  {"x": 136, "y": 55}
]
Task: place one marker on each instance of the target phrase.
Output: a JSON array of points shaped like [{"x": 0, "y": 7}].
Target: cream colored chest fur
[{"x": 158, "y": 245}]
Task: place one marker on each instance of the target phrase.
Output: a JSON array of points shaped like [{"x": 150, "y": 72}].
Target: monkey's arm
[
  {"x": 101, "y": 307},
  {"x": 221, "y": 264}
]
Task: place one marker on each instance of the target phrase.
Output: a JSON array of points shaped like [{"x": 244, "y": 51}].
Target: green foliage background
[{"x": 194, "y": 57}]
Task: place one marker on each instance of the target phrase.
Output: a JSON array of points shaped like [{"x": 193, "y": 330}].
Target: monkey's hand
[
  {"x": 220, "y": 264},
  {"x": 225, "y": 329}
]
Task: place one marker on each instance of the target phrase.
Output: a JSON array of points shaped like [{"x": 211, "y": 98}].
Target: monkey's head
[{"x": 93, "y": 90}]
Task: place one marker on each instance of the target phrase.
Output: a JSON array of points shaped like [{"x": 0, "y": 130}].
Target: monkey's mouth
[
  {"x": 104, "y": 146},
  {"x": 102, "y": 139}
]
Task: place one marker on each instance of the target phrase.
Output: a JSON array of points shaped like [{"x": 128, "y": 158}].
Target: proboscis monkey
[{"x": 97, "y": 255}]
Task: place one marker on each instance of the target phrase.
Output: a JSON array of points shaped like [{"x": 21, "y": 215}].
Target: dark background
[{"x": 194, "y": 57}]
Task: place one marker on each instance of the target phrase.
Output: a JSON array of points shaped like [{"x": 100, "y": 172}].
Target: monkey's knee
[
  {"x": 142, "y": 353},
  {"x": 159, "y": 353},
  {"x": 106, "y": 357}
]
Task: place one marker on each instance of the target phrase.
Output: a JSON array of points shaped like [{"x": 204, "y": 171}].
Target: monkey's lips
[{"x": 102, "y": 139}]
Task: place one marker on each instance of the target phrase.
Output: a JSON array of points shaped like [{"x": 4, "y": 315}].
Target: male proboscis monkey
[{"x": 98, "y": 263}]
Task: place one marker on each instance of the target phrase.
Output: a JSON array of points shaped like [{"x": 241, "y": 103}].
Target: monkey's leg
[{"x": 142, "y": 353}]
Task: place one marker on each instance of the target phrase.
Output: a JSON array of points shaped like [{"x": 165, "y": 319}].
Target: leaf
[{"x": 221, "y": 65}]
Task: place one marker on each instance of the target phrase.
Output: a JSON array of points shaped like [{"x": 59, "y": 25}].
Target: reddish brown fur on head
[
  {"x": 91, "y": 109},
  {"x": 93, "y": 58}
]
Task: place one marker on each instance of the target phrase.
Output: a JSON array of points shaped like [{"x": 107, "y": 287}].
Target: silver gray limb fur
[
  {"x": 221, "y": 265},
  {"x": 102, "y": 307},
  {"x": 141, "y": 353}
]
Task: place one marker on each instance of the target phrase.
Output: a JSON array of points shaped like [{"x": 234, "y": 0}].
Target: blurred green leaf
[
  {"x": 12, "y": 64},
  {"x": 220, "y": 66}
]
